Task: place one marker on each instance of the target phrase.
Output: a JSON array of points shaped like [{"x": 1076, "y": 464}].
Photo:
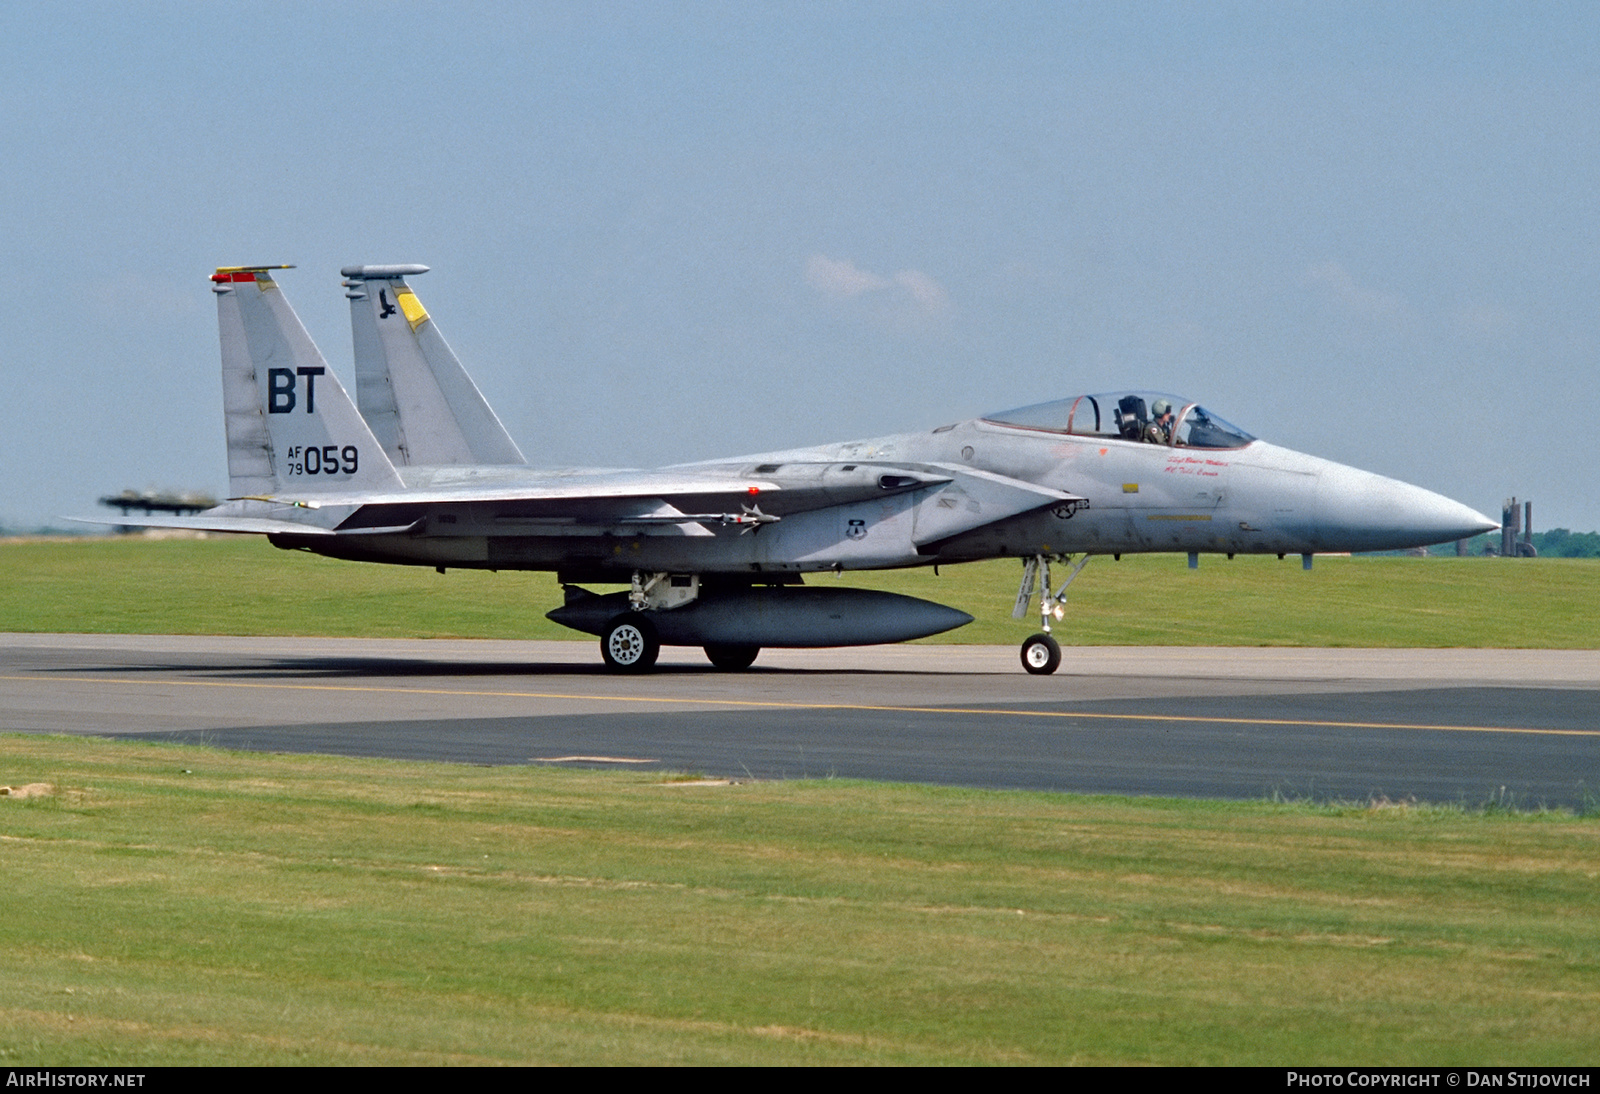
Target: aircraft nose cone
[{"x": 1360, "y": 511}]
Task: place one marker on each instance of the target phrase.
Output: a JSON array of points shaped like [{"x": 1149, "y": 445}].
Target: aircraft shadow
[{"x": 346, "y": 668}]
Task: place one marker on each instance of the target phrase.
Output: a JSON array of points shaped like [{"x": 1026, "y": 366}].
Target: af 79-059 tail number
[{"x": 330, "y": 459}]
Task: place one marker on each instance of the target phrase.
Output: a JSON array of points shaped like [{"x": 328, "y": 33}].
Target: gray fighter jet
[{"x": 420, "y": 472}]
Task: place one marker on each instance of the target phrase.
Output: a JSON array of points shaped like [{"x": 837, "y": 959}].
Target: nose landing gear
[{"x": 1041, "y": 653}]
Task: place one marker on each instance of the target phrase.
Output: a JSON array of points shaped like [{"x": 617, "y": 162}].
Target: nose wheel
[{"x": 1041, "y": 655}]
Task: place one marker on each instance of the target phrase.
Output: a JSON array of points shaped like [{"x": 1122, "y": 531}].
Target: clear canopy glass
[{"x": 1147, "y": 417}]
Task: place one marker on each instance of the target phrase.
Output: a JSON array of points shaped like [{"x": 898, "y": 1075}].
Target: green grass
[
  {"x": 177, "y": 905},
  {"x": 133, "y": 585},
  {"x": 244, "y": 586}
]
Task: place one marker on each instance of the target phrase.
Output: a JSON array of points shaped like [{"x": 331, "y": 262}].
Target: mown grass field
[
  {"x": 244, "y": 586},
  {"x": 178, "y": 905}
]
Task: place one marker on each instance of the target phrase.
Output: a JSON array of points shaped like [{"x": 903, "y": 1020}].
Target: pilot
[{"x": 1159, "y": 430}]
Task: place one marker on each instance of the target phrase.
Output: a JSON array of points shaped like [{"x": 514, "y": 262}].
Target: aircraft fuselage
[{"x": 1137, "y": 498}]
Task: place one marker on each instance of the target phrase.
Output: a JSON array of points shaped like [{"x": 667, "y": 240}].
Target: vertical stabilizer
[
  {"x": 421, "y": 404},
  {"x": 292, "y": 430}
]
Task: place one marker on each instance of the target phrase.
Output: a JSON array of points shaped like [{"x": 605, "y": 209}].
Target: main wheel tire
[
  {"x": 732, "y": 658},
  {"x": 630, "y": 643},
  {"x": 1041, "y": 655}
]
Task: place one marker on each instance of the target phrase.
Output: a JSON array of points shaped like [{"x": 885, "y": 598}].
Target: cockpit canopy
[{"x": 1145, "y": 416}]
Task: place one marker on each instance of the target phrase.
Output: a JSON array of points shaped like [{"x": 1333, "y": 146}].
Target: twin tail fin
[
  {"x": 411, "y": 389},
  {"x": 292, "y": 431}
]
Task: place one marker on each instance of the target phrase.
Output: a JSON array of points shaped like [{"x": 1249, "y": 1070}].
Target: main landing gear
[
  {"x": 1041, "y": 654},
  {"x": 630, "y": 643},
  {"x": 732, "y": 658}
]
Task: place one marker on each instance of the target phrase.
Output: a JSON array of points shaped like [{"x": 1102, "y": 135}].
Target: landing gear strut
[
  {"x": 1041, "y": 654},
  {"x": 630, "y": 642}
]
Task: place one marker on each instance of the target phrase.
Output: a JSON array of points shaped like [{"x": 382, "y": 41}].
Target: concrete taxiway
[{"x": 1473, "y": 726}]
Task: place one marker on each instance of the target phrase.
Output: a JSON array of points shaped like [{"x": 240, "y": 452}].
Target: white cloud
[
  {"x": 923, "y": 289},
  {"x": 839, "y": 277}
]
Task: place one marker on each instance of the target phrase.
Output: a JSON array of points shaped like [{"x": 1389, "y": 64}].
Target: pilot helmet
[{"x": 1161, "y": 406}]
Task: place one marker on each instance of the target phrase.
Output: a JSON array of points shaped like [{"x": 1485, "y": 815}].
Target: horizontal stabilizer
[
  {"x": 256, "y": 516},
  {"x": 258, "y": 526}
]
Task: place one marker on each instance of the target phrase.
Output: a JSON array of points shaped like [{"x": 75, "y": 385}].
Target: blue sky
[{"x": 672, "y": 232}]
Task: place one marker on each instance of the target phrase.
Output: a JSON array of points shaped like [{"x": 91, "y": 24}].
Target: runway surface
[{"x": 1471, "y": 726}]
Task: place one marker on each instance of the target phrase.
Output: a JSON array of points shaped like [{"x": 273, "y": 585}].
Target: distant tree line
[
  {"x": 1556, "y": 543},
  {"x": 8, "y": 531},
  {"x": 1561, "y": 543}
]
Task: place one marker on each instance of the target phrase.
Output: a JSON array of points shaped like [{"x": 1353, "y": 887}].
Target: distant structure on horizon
[
  {"x": 159, "y": 502},
  {"x": 1516, "y": 530}
]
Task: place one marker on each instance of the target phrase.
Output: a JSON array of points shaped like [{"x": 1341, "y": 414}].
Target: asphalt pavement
[{"x": 1519, "y": 727}]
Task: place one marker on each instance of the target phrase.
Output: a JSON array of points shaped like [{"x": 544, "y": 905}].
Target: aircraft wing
[
  {"x": 304, "y": 462},
  {"x": 523, "y": 502},
  {"x": 726, "y": 494}
]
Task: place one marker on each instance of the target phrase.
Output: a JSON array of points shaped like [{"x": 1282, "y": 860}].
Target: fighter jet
[{"x": 421, "y": 472}]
